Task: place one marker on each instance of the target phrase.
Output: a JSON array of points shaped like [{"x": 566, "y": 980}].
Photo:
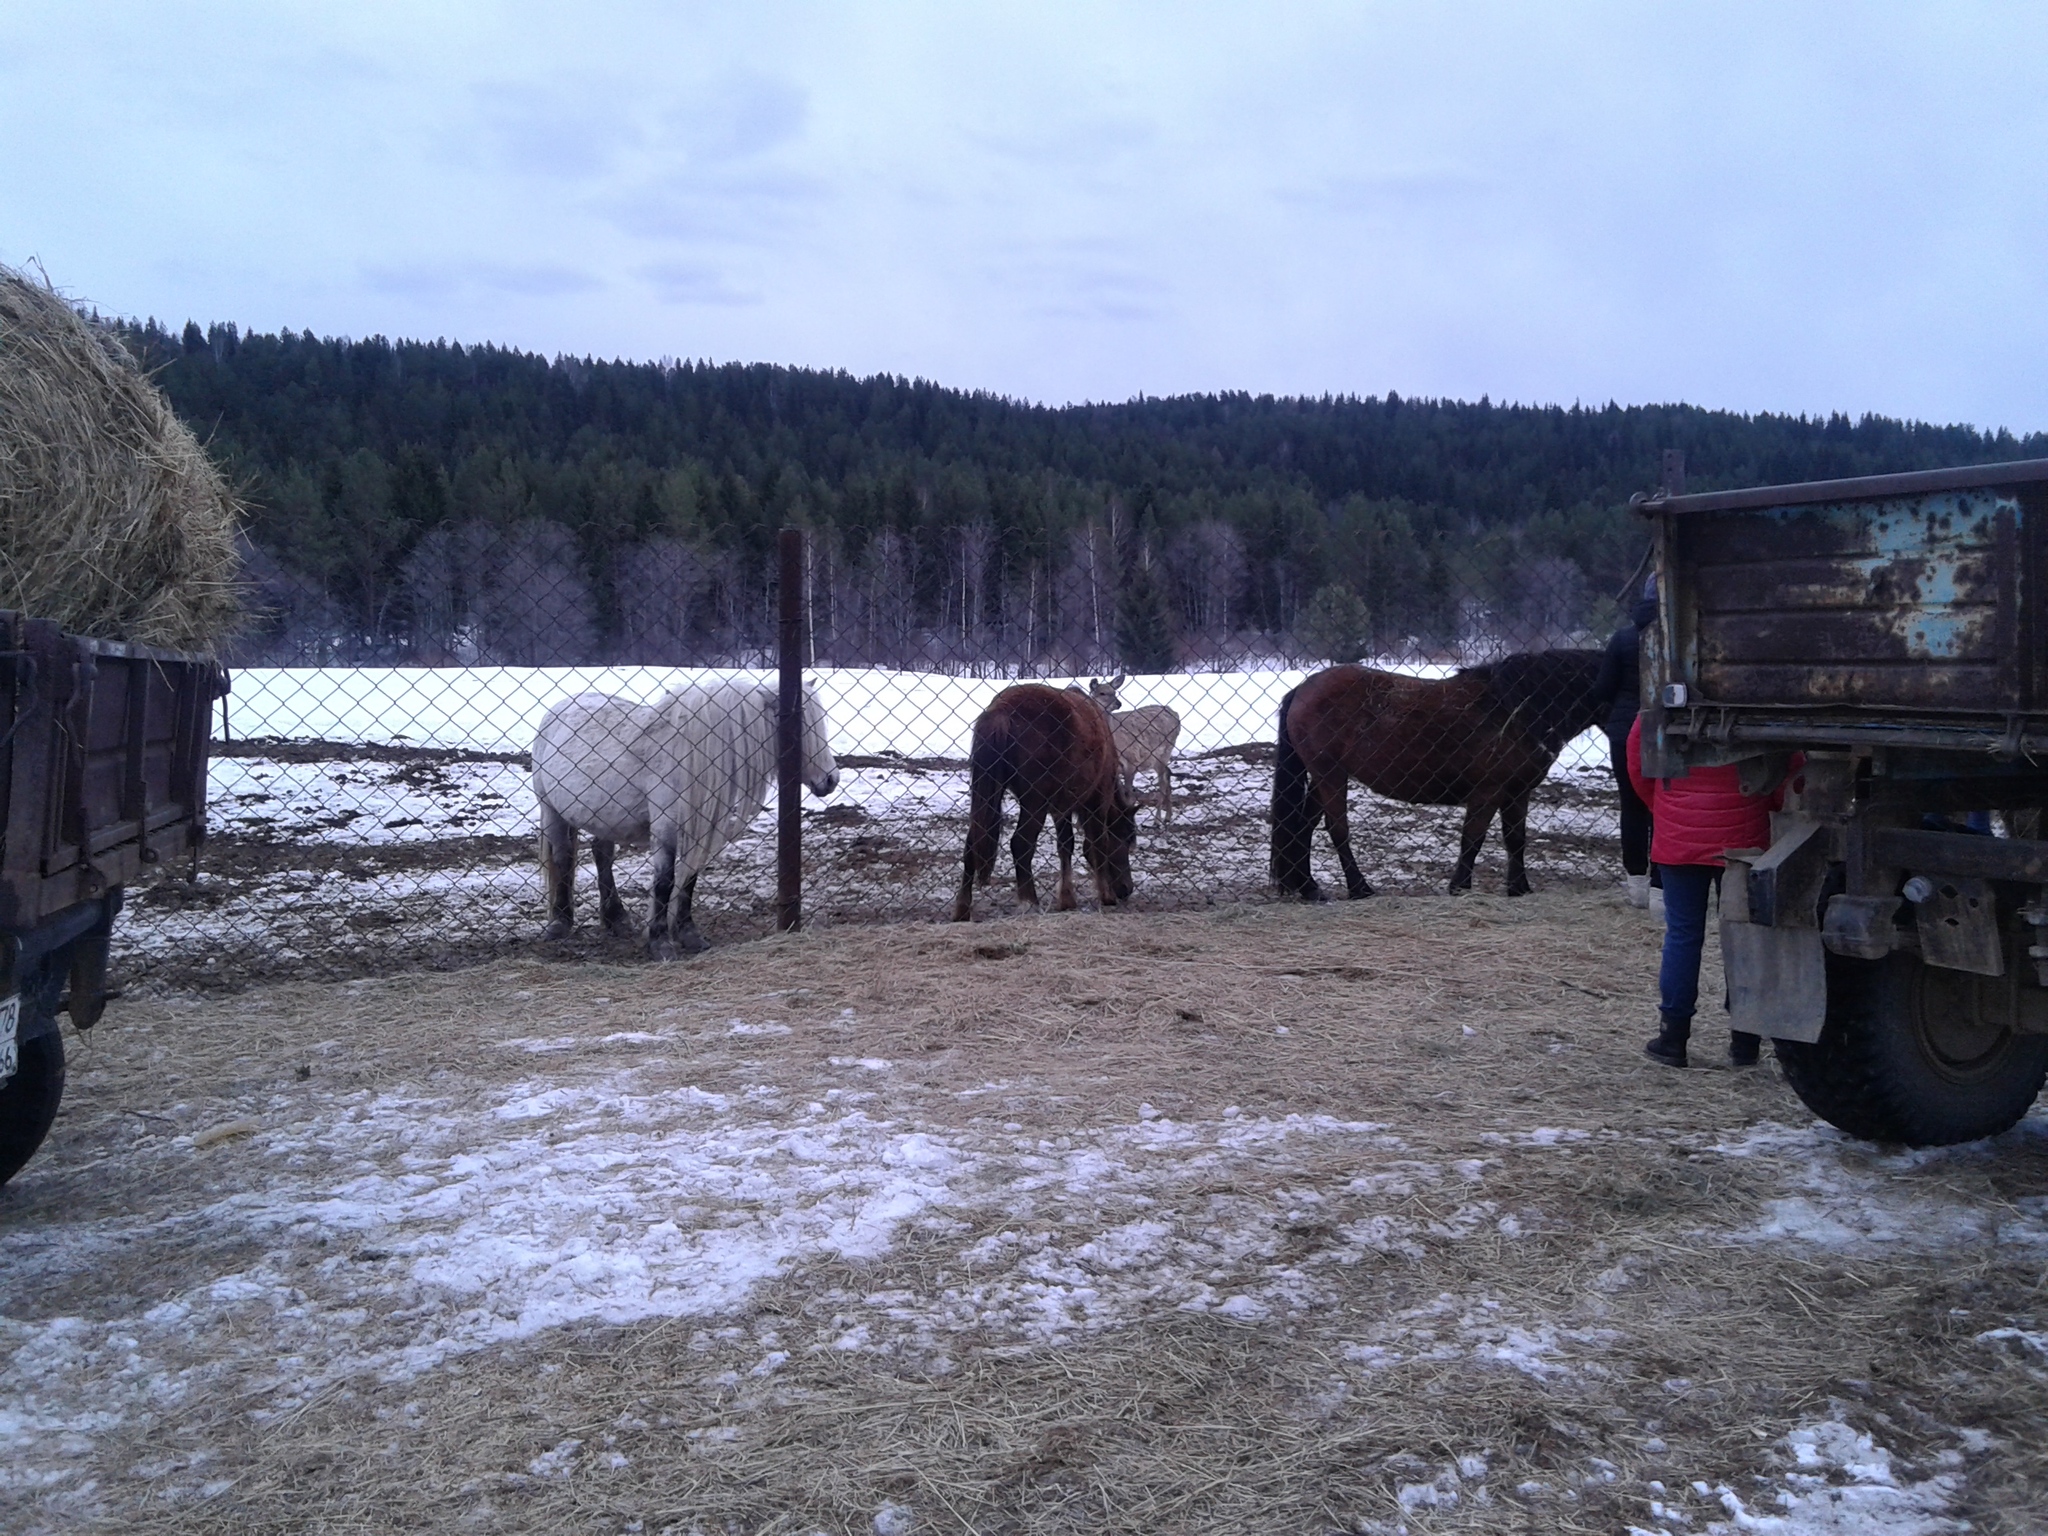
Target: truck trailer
[{"x": 1879, "y": 648}]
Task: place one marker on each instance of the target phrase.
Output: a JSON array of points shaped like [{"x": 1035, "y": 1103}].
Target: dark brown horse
[
  {"x": 1052, "y": 749},
  {"x": 1483, "y": 739}
]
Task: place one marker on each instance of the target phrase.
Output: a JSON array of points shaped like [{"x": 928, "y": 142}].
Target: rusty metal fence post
[{"x": 789, "y": 735}]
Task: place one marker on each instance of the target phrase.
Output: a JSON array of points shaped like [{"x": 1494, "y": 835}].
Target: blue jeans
[{"x": 1685, "y": 934}]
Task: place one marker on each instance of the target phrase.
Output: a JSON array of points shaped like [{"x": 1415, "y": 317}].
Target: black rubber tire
[
  {"x": 28, "y": 1101},
  {"x": 1899, "y": 1060}
]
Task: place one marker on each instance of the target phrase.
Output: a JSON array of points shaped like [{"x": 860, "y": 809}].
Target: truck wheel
[
  {"x": 1904, "y": 1057},
  {"x": 28, "y": 1101}
]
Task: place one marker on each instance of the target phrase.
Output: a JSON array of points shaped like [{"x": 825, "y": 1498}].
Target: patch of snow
[
  {"x": 1852, "y": 1198},
  {"x": 1841, "y": 1483},
  {"x": 558, "y": 1462}
]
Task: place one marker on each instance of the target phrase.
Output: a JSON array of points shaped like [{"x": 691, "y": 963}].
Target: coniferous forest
[{"x": 432, "y": 503}]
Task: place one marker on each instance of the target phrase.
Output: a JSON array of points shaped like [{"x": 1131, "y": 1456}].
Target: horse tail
[
  {"x": 1294, "y": 814},
  {"x": 989, "y": 764}
]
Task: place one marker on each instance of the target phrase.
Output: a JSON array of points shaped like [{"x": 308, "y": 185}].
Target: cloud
[
  {"x": 685, "y": 282},
  {"x": 1386, "y": 191},
  {"x": 1071, "y": 145},
  {"x": 717, "y": 169},
  {"x": 538, "y": 130},
  {"x": 1083, "y": 280},
  {"x": 736, "y": 117},
  {"x": 741, "y": 206},
  {"x": 440, "y": 280}
]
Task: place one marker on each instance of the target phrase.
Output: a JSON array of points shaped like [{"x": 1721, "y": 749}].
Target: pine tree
[
  {"x": 1336, "y": 626},
  {"x": 1144, "y": 625}
]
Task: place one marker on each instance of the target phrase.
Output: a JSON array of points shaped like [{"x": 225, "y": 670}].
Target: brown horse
[
  {"x": 1483, "y": 739},
  {"x": 1052, "y": 749}
]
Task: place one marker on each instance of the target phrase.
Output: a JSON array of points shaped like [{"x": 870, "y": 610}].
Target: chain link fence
[{"x": 373, "y": 818}]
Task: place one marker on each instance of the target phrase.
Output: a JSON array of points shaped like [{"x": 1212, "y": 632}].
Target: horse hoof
[
  {"x": 1521, "y": 890},
  {"x": 692, "y": 941},
  {"x": 558, "y": 929},
  {"x": 661, "y": 949},
  {"x": 1358, "y": 893}
]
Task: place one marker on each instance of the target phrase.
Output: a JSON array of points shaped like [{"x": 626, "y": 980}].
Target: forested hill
[{"x": 427, "y": 501}]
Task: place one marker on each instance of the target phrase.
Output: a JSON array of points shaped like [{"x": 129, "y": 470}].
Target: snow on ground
[
  {"x": 1854, "y": 1205},
  {"x": 1838, "y": 1483},
  {"x": 387, "y": 1231}
]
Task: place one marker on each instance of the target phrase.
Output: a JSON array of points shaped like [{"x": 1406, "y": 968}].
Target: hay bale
[{"x": 113, "y": 521}]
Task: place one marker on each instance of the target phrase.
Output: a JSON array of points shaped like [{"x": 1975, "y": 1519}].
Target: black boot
[
  {"x": 1743, "y": 1048},
  {"x": 1669, "y": 1046}
]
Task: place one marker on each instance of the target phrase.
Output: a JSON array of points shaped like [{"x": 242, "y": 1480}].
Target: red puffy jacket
[{"x": 1702, "y": 815}]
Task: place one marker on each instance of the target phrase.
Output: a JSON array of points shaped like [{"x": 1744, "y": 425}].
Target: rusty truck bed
[{"x": 1900, "y": 610}]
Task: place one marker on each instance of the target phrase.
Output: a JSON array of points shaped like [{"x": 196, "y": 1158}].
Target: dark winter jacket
[
  {"x": 1619, "y": 681},
  {"x": 1701, "y": 816}
]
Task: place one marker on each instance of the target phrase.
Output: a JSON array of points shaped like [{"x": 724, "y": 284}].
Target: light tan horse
[{"x": 1144, "y": 741}]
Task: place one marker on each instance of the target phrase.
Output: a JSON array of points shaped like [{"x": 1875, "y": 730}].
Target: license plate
[{"x": 10, "y": 1051}]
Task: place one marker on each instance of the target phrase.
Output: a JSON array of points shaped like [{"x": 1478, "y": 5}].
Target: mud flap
[{"x": 1777, "y": 980}]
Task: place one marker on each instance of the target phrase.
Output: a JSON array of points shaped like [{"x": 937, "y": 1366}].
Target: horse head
[
  {"x": 821, "y": 768},
  {"x": 1110, "y": 856},
  {"x": 1549, "y": 693}
]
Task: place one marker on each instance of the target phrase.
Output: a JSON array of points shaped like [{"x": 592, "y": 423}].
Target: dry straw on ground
[
  {"x": 113, "y": 521},
  {"x": 1477, "y": 1028}
]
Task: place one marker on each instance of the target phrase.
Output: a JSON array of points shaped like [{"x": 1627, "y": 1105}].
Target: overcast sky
[{"x": 1782, "y": 207}]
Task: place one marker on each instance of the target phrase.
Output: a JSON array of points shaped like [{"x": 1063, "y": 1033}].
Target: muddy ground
[{"x": 1368, "y": 1217}]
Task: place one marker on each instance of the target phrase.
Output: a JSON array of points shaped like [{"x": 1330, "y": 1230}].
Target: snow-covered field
[
  {"x": 549, "y": 1247},
  {"x": 872, "y": 710},
  {"x": 365, "y": 818}
]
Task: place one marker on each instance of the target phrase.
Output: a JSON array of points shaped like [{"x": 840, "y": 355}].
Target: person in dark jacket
[
  {"x": 1699, "y": 817},
  {"x": 1618, "y": 687}
]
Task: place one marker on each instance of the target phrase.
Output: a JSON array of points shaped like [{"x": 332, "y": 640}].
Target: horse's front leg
[
  {"x": 664, "y": 848},
  {"x": 683, "y": 924},
  {"x": 1477, "y": 819},
  {"x": 1063, "y": 835},
  {"x": 1330, "y": 791},
  {"x": 613, "y": 910},
  {"x": 1165, "y": 793},
  {"x": 1024, "y": 848},
  {"x": 558, "y": 868},
  {"x": 1514, "y": 835}
]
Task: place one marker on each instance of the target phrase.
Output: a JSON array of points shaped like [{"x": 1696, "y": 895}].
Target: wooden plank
[
  {"x": 1943, "y": 635},
  {"x": 1940, "y": 688},
  {"x": 1955, "y": 523},
  {"x": 1817, "y": 584}
]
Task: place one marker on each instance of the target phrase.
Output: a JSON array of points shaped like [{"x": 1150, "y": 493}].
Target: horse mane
[{"x": 1547, "y": 693}]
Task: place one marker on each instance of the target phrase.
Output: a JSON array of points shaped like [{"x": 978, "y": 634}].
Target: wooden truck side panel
[
  {"x": 1898, "y": 604},
  {"x": 102, "y": 764}
]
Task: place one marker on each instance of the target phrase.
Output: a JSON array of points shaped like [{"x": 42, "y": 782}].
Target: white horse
[{"x": 688, "y": 774}]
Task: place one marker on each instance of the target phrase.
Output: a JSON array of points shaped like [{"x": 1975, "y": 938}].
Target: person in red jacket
[{"x": 1695, "y": 820}]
